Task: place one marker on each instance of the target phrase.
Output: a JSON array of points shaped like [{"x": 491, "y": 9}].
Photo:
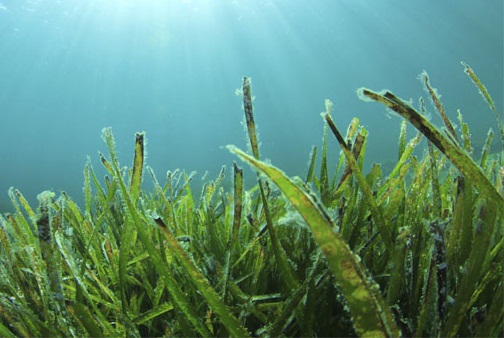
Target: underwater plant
[{"x": 418, "y": 252}]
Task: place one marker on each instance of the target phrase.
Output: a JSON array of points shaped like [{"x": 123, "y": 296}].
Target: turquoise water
[{"x": 171, "y": 68}]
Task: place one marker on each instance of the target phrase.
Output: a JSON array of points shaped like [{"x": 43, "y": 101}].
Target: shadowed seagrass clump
[{"x": 418, "y": 252}]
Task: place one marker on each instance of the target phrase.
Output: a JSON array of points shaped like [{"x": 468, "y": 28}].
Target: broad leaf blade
[{"x": 361, "y": 293}]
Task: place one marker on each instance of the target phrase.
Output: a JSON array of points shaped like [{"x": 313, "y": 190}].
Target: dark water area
[{"x": 170, "y": 68}]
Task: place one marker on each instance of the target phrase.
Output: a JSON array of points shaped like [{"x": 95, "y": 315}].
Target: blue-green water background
[{"x": 69, "y": 68}]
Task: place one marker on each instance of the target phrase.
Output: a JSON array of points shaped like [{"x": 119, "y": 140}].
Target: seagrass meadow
[{"x": 340, "y": 252}]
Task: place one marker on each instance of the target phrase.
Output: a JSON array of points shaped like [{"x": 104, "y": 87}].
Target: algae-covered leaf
[
  {"x": 136, "y": 177},
  {"x": 249, "y": 116},
  {"x": 437, "y": 102},
  {"x": 285, "y": 269},
  {"x": 370, "y": 313},
  {"x": 455, "y": 154},
  {"x": 484, "y": 92},
  {"x": 238, "y": 203}
]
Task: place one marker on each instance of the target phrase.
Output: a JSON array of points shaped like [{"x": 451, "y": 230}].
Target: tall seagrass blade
[
  {"x": 371, "y": 316},
  {"x": 455, "y": 154}
]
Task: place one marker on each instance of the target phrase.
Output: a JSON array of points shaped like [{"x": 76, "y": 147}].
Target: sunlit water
[{"x": 171, "y": 68}]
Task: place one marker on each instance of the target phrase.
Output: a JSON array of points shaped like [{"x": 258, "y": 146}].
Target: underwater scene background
[
  {"x": 171, "y": 68},
  {"x": 394, "y": 227}
]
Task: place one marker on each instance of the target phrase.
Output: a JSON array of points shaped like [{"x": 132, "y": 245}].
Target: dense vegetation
[{"x": 338, "y": 253}]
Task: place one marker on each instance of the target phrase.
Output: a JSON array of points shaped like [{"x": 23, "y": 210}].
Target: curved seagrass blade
[
  {"x": 455, "y": 154},
  {"x": 366, "y": 189},
  {"x": 484, "y": 92},
  {"x": 371, "y": 315}
]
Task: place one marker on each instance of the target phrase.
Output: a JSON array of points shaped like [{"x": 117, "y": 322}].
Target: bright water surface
[{"x": 171, "y": 67}]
